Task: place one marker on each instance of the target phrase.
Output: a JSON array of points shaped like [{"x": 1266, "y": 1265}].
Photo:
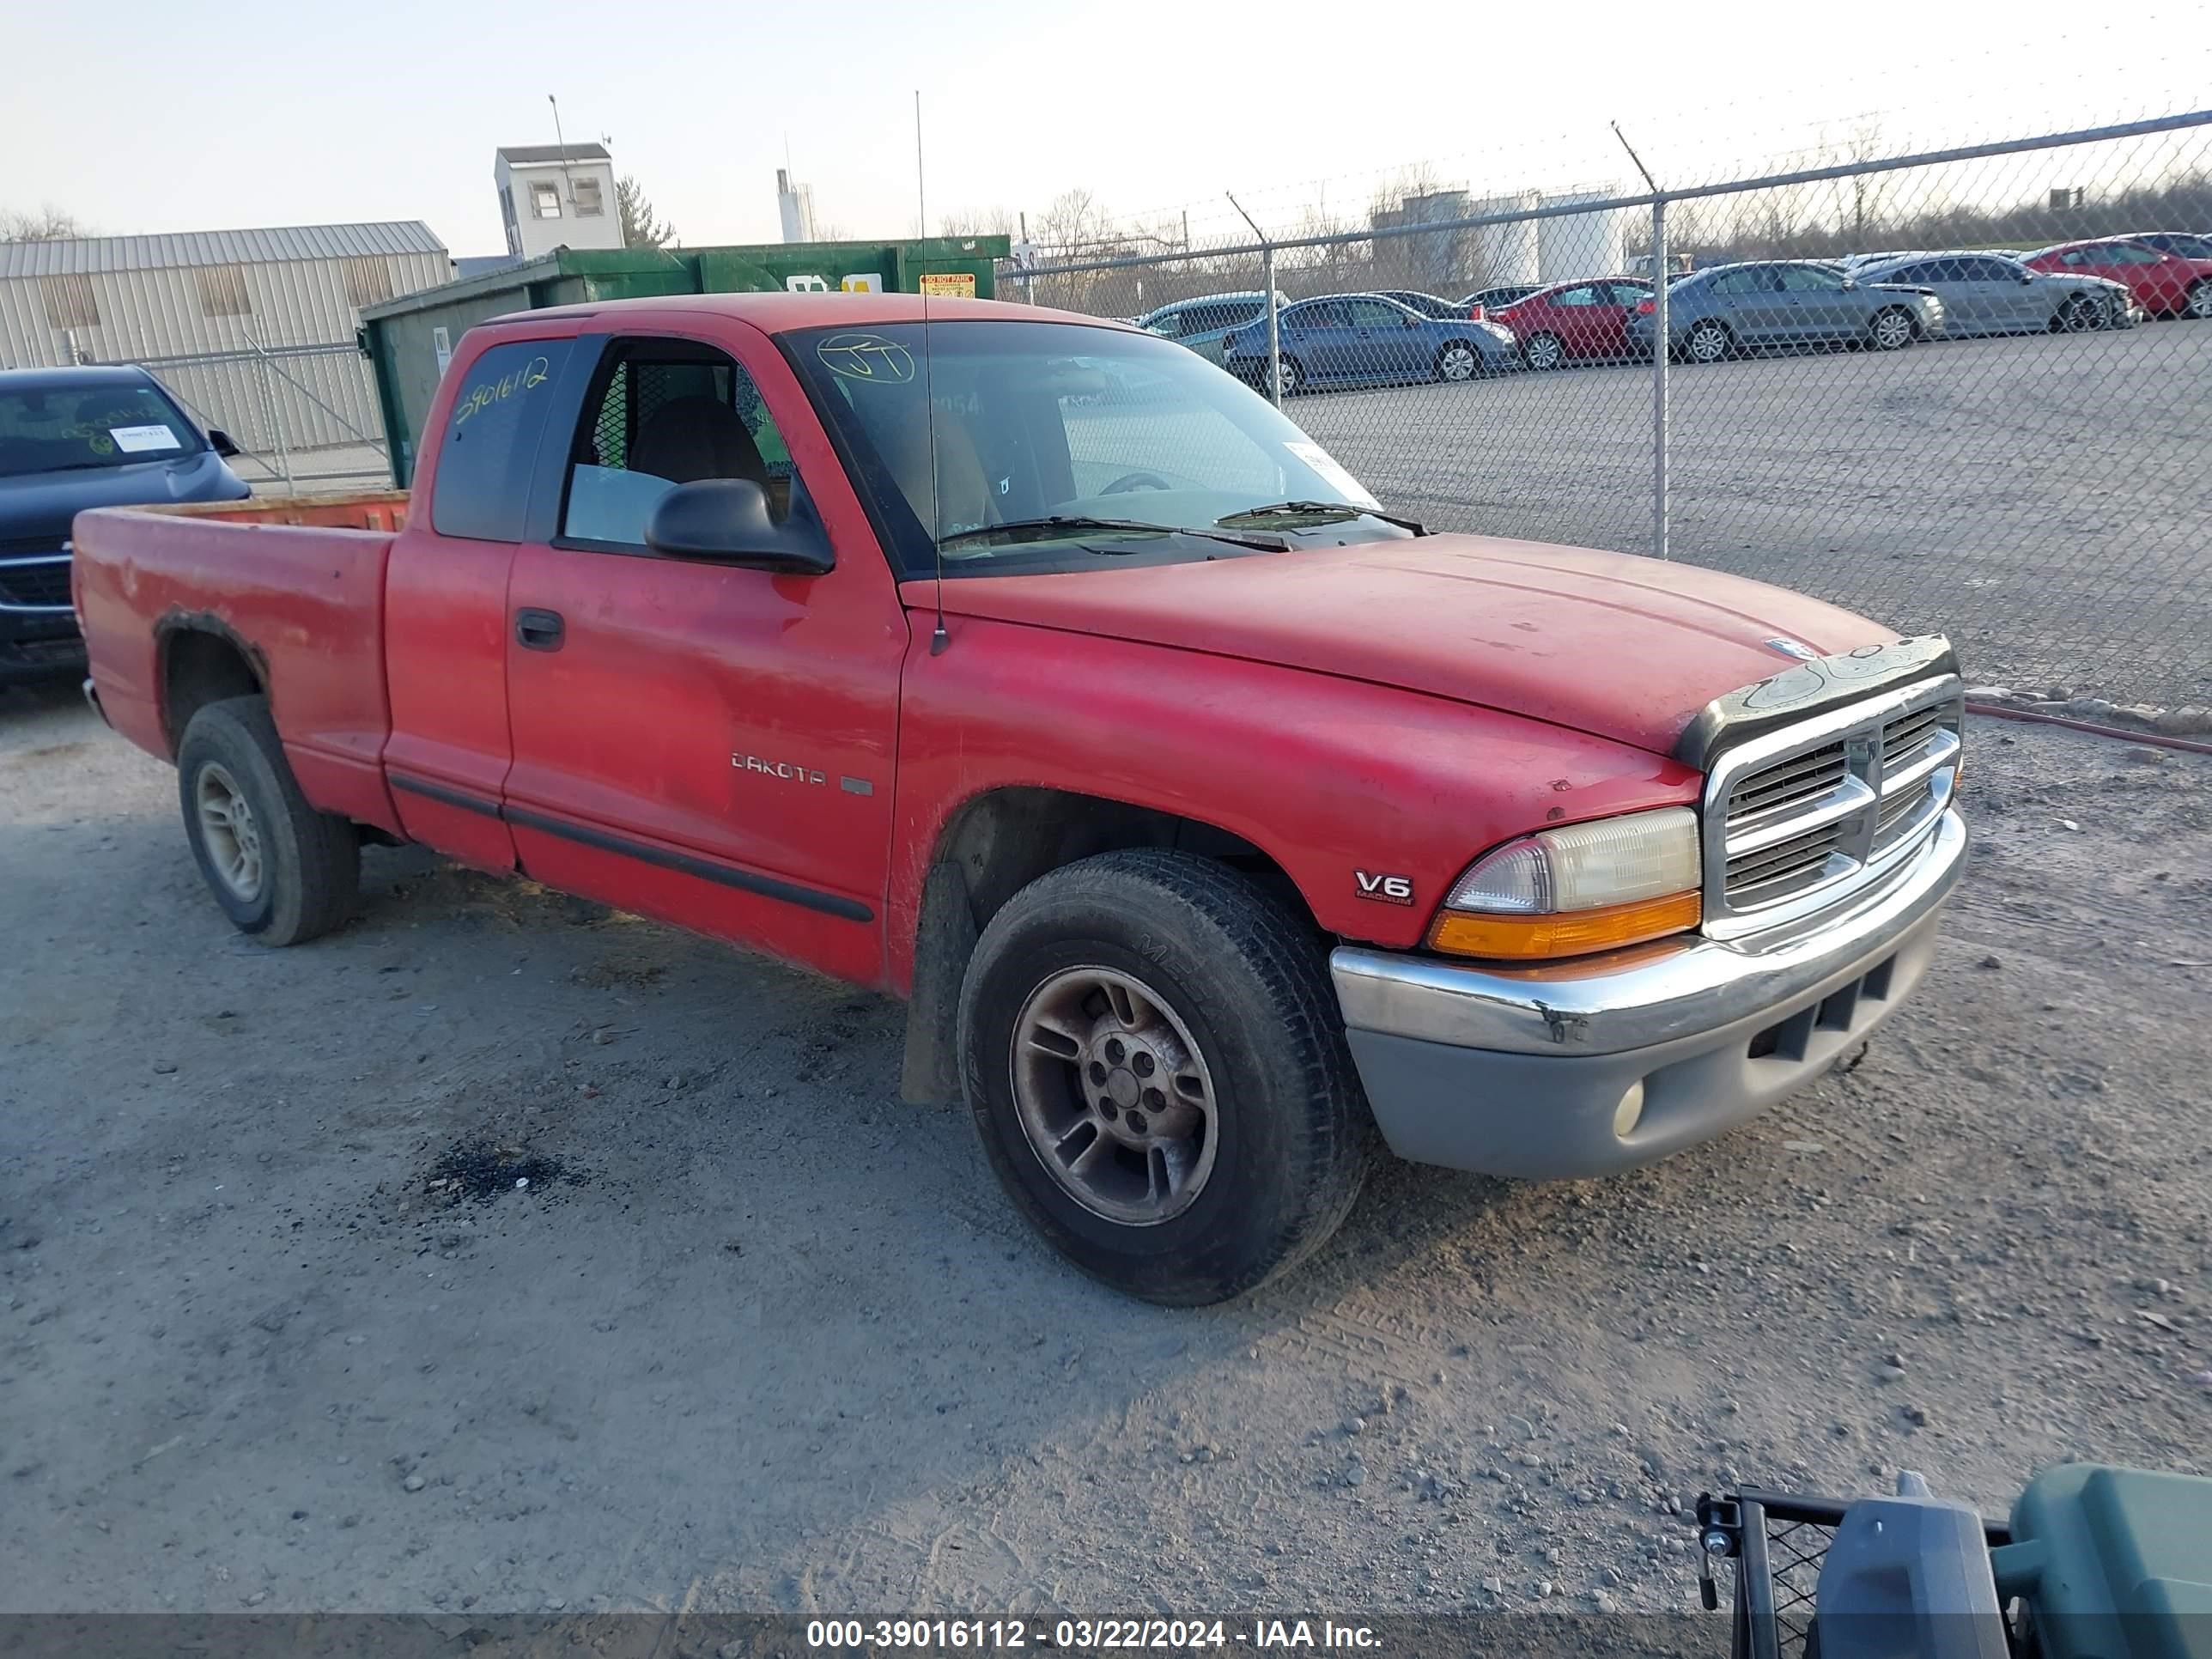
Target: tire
[
  {"x": 1708, "y": 341},
  {"x": 2198, "y": 304},
  {"x": 1293, "y": 377},
  {"x": 1544, "y": 351},
  {"x": 2081, "y": 314},
  {"x": 1458, "y": 363},
  {"x": 1209, "y": 981},
  {"x": 1891, "y": 329},
  {"x": 282, "y": 872}
]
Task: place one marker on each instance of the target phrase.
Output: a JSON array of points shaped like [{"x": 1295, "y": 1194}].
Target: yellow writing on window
[{"x": 485, "y": 393}]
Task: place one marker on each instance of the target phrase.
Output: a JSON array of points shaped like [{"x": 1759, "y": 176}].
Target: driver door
[{"x": 706, "y": 744}]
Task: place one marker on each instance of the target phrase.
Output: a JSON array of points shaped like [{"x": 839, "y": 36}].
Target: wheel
[
  {"x": 1708, "y": 341},
  {"x": 1458, "y": 360},
  {"x": 1891, "y": 330},
  {"x": 281, "y": 871},
  {"x": 2081, "y": 315},
  {"x": 2199, "y": 303},
  {"x": 1292, "y": 376},
  {"x": 1544, "y": 351},
  {"x": 1158, "y": 1073}
]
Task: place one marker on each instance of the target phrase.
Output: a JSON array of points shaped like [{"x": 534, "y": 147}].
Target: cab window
[
  {"x": 661, "y": 413},
  {"x": 489, "y": 445}
]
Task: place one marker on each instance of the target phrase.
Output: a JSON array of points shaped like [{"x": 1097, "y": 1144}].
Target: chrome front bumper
[{"x": 1522, "y": 1071}]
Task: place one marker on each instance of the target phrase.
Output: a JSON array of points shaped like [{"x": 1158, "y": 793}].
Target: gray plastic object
[{"x": 1909, "y": 1578}]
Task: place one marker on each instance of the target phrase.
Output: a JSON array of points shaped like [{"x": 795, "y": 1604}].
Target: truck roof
[{"x": 781, "y": 314}]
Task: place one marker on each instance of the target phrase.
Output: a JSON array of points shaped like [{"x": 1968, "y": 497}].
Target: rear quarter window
[{"x": 489, "y": 445}]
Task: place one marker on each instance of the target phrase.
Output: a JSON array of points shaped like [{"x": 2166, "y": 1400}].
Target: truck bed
[{"x": 296, "y": 585}]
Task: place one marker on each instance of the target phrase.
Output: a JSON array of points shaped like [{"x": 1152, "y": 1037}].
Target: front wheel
[
  {"x": 1892, "y": 330},
  {"x": 1544, "y": 351},
  {"x": 1158, "y": 1073},
  {"x": 282, "y": 870},
  {"x": 2199, "y": 303},
  {"x": 2081, "y": 314},
  {"x": 1458, "y": 361}
]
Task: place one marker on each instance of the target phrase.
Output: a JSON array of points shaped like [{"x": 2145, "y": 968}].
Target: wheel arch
[
  {"x": 200, "y": 660},
  {"x": 996, "y": 843}
]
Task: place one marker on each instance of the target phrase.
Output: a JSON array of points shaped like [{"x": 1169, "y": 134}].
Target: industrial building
[
  {"x": 557, "y": 195},
  {"x": 253, "y": 329}
]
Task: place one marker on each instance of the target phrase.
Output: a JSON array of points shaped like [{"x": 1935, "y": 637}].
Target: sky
[{"x": 304, "y": 112}]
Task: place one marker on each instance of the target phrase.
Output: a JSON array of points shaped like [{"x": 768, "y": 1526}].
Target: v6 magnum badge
[{"x": 1386, "y": 889}]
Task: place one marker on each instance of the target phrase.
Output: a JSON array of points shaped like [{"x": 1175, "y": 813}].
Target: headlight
[{"x": 1570, "y": 891}]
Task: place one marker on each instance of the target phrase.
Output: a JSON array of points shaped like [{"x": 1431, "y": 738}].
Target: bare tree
[
  {"x": 640, "y": 228},
  {"x": 48, "y": 224},
  {"x": 1859, "y": 198},
  {"x": 979, "y": 222}
]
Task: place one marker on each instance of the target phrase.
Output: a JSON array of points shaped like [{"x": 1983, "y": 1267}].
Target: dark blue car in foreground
[
  {"x": 74, "y": 438},
  {"x": 1364, "y": 339}
]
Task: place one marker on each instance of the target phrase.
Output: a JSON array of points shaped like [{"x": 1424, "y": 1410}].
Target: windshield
[
  {"x": 103, "y": 424},
  {"x": 1055, "y": 444}
]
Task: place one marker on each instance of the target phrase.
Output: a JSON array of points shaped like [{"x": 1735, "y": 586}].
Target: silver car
[
  {"x": 1989, "y": 293},
  {"x": 1724, "y": 310}
]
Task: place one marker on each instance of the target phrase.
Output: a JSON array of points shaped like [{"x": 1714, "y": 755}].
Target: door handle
[{"x": 539, "y": 630}]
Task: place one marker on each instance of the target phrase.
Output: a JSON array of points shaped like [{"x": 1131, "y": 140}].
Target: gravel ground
[
  {"x": 280, "y": 1327},
  {"x": 2041, "y": 499}
]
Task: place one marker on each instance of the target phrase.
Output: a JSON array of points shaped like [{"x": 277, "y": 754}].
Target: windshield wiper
[
  {"x": 1309, "y": 509},
  {"x": 1059, "y": 521}
]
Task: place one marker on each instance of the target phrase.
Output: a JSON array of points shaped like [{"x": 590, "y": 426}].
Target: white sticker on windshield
[
  {"x": 137, "y": 440},
  {"x": 1348, "y": 487}
]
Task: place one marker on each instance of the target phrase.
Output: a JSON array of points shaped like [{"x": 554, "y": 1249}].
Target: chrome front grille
[{"x": 1798, "y": 818}]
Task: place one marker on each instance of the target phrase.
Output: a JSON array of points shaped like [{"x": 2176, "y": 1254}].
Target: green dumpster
[{"x": 409, "y": 340}]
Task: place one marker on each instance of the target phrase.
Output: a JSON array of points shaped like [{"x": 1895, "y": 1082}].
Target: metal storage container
[{"x": 409, "y": 340}]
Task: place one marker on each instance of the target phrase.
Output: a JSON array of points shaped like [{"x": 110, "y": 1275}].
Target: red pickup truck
[{"x": 1210, "y": 819}]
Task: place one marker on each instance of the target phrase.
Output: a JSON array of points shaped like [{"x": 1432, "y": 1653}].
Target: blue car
[
  {"x": 72, "y": 439},
  {"x": 1364, "y": 339}
]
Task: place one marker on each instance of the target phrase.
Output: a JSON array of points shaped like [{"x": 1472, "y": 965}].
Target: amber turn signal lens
[{"x": 1565, "y": 933}]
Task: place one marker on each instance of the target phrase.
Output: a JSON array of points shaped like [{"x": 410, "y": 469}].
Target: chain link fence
[
  {"x": 1967, "y": 391},
  {"x": 303, "y": 417}
]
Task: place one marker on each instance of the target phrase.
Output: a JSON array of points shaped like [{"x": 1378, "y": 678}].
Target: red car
[
  {"x": 1585, "y": 320},
  {"x": 2163, "y": 284}
]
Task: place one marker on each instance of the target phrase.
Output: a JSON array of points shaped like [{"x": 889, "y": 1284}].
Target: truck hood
[
  {"x": 1608, "y": 644},
  {"x": 42, "y": 504}
]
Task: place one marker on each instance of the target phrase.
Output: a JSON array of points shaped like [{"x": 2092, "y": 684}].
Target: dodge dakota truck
[{"x": 1214, "y": 822}]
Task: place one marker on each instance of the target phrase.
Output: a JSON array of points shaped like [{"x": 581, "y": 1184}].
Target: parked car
[
  {"x": 1579, "y": 322},
  {"x": 1527, "y": 925},
  {"x": 1429, "y": 305},
  {"x": 1353, "y": 339},
  {"x": 2187, "y": 244},
  {"x": 1984, "y": 293},
  {"x": 1486, "y": 300},
  {"x": 2163, "y": 284},
  {"x": 1203, "y": 323},
  {"x": 1725, "y": 309},
  {"x": 74, "y": 438}
]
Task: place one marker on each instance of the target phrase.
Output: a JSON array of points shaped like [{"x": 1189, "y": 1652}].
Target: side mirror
[
  {"x": 726, "y": 521},
  {"x": 221, "y": 443}
]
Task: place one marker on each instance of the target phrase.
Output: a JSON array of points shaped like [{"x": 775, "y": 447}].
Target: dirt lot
[{"x": 756, "y": 1337}]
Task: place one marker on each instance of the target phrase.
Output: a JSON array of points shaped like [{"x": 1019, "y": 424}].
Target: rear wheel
[
  {"x": 1891, "y": 330},
  {"x": 1159, "y": 1077},
  {"x": 1708, "y": 341},
  {"x": 2199, "y": 303},
  {"x": 1544, "y": 351},
  {"x": 282, "y": 870}
]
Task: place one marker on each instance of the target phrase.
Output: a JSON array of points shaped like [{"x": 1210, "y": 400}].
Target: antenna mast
[{"x": 938, "y": 639}]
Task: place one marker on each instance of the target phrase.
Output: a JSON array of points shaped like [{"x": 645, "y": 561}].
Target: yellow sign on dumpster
[{"x": 949, "y": 284}]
